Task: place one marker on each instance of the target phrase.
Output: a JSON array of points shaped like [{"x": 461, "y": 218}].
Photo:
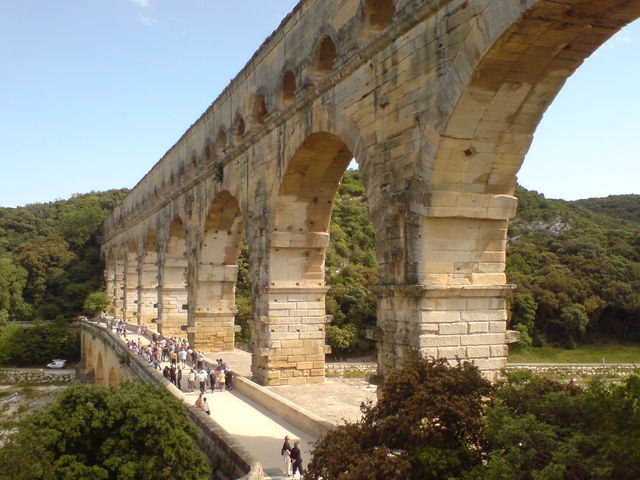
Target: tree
[
  {"x": 135, "y": 431},
  {"x": 540, "y": 429},
  {"x": 96, "y": 303},
  {"x": 427, "y": 424},
  {"x": 37, "y": 345}
]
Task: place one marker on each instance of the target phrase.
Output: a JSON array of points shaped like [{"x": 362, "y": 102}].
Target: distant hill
[
  {"x": 618, "y": 208},
  {"x": 49, "y": 256},
  {"x": 576, "y": 264}
]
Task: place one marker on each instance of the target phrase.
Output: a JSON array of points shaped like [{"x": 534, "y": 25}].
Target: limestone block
[
  {"x": 478, "y": 327},
  {"x": 482, "y": 339},
  {"x": 452, "y": 328},
  {"x": 499, "y": 350},
  {"x": 430, "y": 317},
  {"x": 439, "y": 340},
  {"x": 497, "y": 327},
  {"x": 452, "y": 352},
  {"x": 478, "y": 352}
]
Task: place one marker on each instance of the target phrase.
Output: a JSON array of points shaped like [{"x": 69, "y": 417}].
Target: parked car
[{"x": 57, "y": 363}]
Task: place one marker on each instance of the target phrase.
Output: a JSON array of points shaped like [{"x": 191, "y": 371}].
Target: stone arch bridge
[{"x": 436, "y": 100}]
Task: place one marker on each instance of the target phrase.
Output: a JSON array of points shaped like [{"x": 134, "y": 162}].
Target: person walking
[
  {"x": 179, "y": 384},
  {"x": 228, "y": 376},
  {"x": 296, "y": 459},
  {"x": 285, "y": 451},
  {"x": 202, "y": 378},
  {"x": 191, "y": 381},
  {"x": 212, "y": 380},
  {"x": 183, "y": 357},
  {"x": 221, "y": 378}
]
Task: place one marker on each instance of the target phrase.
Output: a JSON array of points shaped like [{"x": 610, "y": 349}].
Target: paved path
[
  {"x": 257, "y": 429},
  {"x": 336, "y": 400}
]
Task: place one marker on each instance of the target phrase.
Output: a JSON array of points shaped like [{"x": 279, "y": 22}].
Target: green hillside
[
  {"x": 576, "y": 264},
  {"x": 49, "y": 255}
]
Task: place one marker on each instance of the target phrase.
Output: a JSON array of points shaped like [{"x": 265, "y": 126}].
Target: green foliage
[
  {"x": 433, "y": 421},
  {"x": 427, "y": 424},
  {"x": 95, "y": 303},
  {"x": 37, "y": 345},
  {"x": 540, "y": 429},
  {"x": 577, "y": 267},
  {"x": 49, "y": 255},
  {"x": 135, "y": 431}
]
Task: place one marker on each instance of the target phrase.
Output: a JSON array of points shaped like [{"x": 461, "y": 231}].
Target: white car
[{"x": 57, "y": 363}]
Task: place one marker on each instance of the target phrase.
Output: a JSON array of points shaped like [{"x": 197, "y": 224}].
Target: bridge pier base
[
  {"x": 147, "y": 304},
  {"x": 466, "y": 322},
  {"x": 212, "y": 332},
  {"x": 289, "y": 341},
  {"x": 172, "y": 311}
]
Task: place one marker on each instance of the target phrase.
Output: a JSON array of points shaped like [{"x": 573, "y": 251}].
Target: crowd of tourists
[{"x": 182, "y": 361}]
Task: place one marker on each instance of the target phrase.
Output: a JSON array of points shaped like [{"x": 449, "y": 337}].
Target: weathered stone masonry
[{"x": 437, "y": 101}]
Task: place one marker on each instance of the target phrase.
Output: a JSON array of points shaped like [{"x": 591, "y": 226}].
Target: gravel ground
[{"x": 337, "y": 399}]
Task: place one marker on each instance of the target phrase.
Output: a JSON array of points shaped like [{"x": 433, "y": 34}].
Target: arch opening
[
  {"x": 294, "y": 298},
  {"x": 173, "y": 293},
  {"x": 288, "y": 88},
  {"x": 259, "y": 110},
  {"x": 217, "y": 272},
  {"x": 378, "y": 14},
  {"x": 325, "y": 56},
  {"x": 113, "y": 377},
  {"x": 100, "y": 379},
  {"x": 131, "y": 284},
  {"x": 239, "y": 127},
  {"x": 221, "y": 143},
  {"x": 148, "y": 281}
]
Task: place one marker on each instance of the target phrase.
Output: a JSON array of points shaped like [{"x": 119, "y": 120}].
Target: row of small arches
[{"x": 378, "y": 15}]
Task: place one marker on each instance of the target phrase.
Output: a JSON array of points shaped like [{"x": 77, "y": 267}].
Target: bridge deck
[
  {"x": 258, "y": 430},
  {"x": 340, "y": 397}
]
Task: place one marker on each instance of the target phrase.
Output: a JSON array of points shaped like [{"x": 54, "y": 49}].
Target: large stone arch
[
  {"x": 131, "y": 283},
  {"x": 148, "y": 279},
  {"x": 109, "y": 275},
  {"x": 119, "y": 282},
  {"x": 113, "y": 377},
  {"x": 173, "y": 295},
  {"x": 515, "y": 60},
  {"x": 289, "y": 305},
  {"x": 212, "y": 320},
  {"x": 437, "y": 101},
  {"x": 100, "y": 376},
  {"x": 88, "y": 353}
]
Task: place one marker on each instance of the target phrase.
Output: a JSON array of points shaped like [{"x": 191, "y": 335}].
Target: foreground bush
[
  {"x": 135, "y": 431},
  {"x": 439, "y": 422}
]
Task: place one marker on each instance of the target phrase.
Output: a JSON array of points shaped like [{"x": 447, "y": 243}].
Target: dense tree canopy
[
  {"x": 37, "y": 345},
  {"x": 49, "y": 255},
  {"x": 439, "y": 422},
  {"x": 136, "y": 431},
  {"x": 576, "y": 264}
]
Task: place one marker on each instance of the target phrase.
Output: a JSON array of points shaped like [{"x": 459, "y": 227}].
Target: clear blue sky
[{"x": 93, "y": 92}]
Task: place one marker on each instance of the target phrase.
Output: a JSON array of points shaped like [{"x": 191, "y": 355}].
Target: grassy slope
[{"x": 611, "y": 352}]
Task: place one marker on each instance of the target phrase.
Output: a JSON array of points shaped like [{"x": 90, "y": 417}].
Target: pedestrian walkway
[{"x": 254, "y": 427}]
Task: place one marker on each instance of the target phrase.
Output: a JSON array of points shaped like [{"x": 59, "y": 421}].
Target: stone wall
[
  {"x": 582, "y": 370},
  {"x": 437, "y": 101},
  {"x": 35, "y": 375}
]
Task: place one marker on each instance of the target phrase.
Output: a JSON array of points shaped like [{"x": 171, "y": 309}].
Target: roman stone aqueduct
[{"x": 437, "y": 100}]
